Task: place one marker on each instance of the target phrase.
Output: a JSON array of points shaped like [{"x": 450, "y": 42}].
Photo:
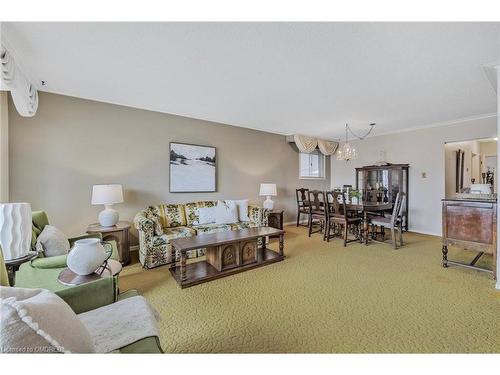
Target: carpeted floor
[{"x": 327, "y": 298}]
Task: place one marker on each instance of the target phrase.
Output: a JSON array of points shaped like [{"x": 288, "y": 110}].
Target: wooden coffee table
[{"x": 227, "y": 253}]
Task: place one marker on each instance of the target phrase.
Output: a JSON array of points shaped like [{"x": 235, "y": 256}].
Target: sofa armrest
[
  {"x": 89, "y": 296},
  {"x": 58, "y": 261},
  {"x": 258, "y": 215},
  {"x": 143, "y": 224}
]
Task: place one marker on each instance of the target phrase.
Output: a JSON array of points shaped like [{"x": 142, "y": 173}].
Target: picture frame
[{"x": 192, "y": 168}]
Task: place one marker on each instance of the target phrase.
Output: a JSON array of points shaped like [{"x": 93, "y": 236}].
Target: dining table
[{"x": 367, "y": 207}]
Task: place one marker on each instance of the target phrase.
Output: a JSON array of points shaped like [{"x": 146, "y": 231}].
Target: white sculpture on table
[{"x": 15, "y": 230}]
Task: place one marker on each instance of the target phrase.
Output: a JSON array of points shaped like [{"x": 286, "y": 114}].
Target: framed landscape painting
[{"x": 192, "y": 168}]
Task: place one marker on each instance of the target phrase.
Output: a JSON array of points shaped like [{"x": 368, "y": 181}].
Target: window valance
[{"x": 308, "y": 144}]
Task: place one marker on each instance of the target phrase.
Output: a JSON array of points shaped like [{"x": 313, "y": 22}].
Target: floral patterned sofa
[{"x": 181, "y": 220}]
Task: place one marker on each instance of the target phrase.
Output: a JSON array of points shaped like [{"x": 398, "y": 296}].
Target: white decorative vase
[
  {"x": 86, "y": 256},
  {"x": 15, "y": 230}
]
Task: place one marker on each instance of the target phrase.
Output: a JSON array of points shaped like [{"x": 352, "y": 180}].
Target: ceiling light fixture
[{"x": 346, "y": 151}]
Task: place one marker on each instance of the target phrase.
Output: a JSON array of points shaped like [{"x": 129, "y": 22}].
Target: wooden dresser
[{"x": 472, "y": 225}]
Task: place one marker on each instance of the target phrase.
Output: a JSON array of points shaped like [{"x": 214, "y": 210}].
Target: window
[{"x": 312, "y": 165}]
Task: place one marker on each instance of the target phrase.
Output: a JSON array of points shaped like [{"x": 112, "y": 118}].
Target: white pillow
[
  {"x": 226, "y": 212},
  {"x": 242, "y": 205},
  {"x": 206, "y": 215},
  {"x": 39, "y": 321},
  {"x": 52, "y": 242}
]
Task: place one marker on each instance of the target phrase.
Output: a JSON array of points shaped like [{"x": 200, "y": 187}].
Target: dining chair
[
  {"x": 302, "y": 204},
  {"x": 393, "y": 222},
  {"x": 339, "y": 219},
  {"x": 317, "y": 205}
]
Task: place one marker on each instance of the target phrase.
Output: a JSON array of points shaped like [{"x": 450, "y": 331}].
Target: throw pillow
[
  {"x": 226, "y": 212},
  {"x": 52, "y": 242},
  {"x": 39, "y": 321},
  {"x": 153, "y": 215},
  {"x": 206, "y": 215},
  {"x": 242, "y": 205}
]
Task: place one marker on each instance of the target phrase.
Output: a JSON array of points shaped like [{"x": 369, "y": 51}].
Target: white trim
[
  {"x": 134, "y": 248},
  {"x": 497, "y": 286},
  {"x": 439, "y": 124}
]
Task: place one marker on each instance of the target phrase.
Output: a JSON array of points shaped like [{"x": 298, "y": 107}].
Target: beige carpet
[{"x": 327, "y": 298}]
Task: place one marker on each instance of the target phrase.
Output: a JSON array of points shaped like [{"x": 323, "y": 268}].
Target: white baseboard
[
  {"x": 134, "y": 248},
  {"x": 498, "y": 285}
]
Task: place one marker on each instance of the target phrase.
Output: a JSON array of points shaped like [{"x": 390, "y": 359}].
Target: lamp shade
[
  {"x": 268, "y": 190},
  {"x": 107, "y": 194}
]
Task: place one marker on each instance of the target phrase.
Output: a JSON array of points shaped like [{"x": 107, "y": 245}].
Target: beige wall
[
  {"x": 488, "y": 148},
  {"x": 424, "y": 150},
  {"x": 71, "y": 144},
  {"x": 4, "y": 148}
]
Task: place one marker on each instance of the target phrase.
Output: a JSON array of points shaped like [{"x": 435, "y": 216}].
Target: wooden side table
[
  {"x": 14, "y": 264},
  {"x": 118, "y": 233},
  {"x": 275, "y": 220},
  {"x": 68, "y": 277}
]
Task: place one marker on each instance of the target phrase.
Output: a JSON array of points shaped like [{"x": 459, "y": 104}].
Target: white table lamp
[
  {"x": 268, "y": 191},
  {"x": 107, "y": 195}
]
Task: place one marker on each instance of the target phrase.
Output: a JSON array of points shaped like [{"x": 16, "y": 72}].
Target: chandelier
[{"x": 346, "y": 151}]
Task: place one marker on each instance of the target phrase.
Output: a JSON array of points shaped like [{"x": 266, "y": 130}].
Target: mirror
[{"x": 470, "y": 167}]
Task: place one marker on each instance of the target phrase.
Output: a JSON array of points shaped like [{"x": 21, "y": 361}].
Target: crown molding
[
  {"x": 439, "y": 124},
  {"x": 18, "y": 58}
]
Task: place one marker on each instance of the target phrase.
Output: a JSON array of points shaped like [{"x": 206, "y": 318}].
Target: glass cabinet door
[{"x": 395, "y": 184}]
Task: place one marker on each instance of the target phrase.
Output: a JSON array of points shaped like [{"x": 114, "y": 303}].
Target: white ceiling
[{"x": 285, "y": 78}]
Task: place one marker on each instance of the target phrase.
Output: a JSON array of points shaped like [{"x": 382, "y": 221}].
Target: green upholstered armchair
[
  {"x": 4, "y": 276},
  {"x": 42, "y": 271},
  {"x": 102, "y": 292},
  {"x": 40, "y": 220}
]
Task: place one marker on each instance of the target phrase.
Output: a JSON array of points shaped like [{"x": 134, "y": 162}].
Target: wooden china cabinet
[{"x": 381, "y": 183}]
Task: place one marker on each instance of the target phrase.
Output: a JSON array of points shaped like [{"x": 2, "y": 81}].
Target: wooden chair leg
[
  {"x": 400, "y": 234},
  {"x": 298, "y": 218},
  {"x": 345, "y": 234},
  {"x": 310, "y": 225}
]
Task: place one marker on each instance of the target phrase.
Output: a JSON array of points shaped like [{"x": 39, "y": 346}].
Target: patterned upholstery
[
  {"x": 172, "y": 215},
  {"x": 212, "y": 228},
  {"x": 244, "y": 225},
  {"x": 172, "y": 233},
  {"x": 178, "y": 220},
  {"x": 191, "y": 209}
]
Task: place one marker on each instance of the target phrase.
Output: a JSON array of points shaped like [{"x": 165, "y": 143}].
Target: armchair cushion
[
  {"x": 58, "y": 261},
  {"x": 132, "y": 319},
  {"x": 28, "y": 323}
]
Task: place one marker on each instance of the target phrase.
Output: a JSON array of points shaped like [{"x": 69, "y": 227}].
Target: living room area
[{"x": 249, "y": 187}]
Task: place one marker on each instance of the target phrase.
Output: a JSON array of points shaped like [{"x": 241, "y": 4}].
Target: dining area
[
  {"x": 343, "y": 213},
  {"x": 376, "y": 209}
]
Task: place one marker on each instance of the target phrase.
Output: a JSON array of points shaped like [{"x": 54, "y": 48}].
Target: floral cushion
[
  {"x": 172, "y": 215},
  {"x": 211, "y": 228},
  {"x": 244, "y": 225},
  {"x": 172, "y": 233},
  {"x": 258, "y": 215},
  {"x": 191, "y": 210}
]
